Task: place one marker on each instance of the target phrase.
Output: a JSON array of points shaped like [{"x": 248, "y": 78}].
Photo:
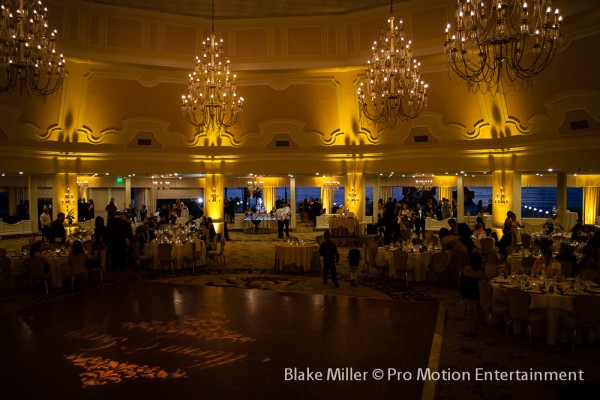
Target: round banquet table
[
  {"x": 553, "y": 305},
  {"x": 57, "y": 267},
  {"x": 179, "y": 253},
  {"x": 304, "y": 256},
  {"x": 255, "y": 225},
  {"x": 417, "y": 263},
  {"x": 349, "y": 224}
]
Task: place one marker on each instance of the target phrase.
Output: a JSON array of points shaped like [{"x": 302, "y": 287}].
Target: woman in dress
[
  {"x": 459, "y": 256},
  {"x": 90, "y": 210}
]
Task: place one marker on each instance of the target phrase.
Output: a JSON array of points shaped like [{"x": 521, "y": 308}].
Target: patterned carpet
[{"x": 467, "y": 342}]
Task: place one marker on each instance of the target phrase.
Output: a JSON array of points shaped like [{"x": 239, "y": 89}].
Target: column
[
  {"x": 213, "y": 200},
  {"x": 128, "y": 199},
  {"x": 460, "y": 199},
  {"x": 355, "y": 193},
  {"x": 591, "y": 195},
  {"x": 293, "y": 204},
  {"x": 561, "y": 199},
  {"x": 503, "y": 196},
  {"x": 64, "y": 196},
  {"x": 34, "y": 212}
]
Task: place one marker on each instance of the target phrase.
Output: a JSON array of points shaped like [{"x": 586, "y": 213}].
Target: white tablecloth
[
  {"x": 179, "y": 252},
  {"x": 259, "y": 225},
  {"x": 417, "y": 263},
  {"x": 57, "y": 266},
  {"x": 552, "y": 305},
  {"x": 305, "y": 256}
]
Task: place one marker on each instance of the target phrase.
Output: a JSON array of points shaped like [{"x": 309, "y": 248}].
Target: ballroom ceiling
[{"x": 242, "y": 9}]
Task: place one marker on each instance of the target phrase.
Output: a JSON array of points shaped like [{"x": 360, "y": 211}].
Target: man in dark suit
[
  {"x": 58, "y": 233},
  {"x": 420, "y": 217}
]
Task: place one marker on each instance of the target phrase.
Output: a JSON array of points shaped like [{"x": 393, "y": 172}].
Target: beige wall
[{"x": 128, "y": 70}]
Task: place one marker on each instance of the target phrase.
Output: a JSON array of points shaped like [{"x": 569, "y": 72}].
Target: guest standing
[{"x": 328, "y": 250}]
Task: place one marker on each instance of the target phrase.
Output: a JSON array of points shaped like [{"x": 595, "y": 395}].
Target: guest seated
[
  {"x": 479, "y": 231},
  {"x": 588, "y": 260},
  {"x": 566, "y": 253},
  {"x": 191, "y": 224},
  {"x": 545, "y": 265},
  {"x": 93, "y": 258},
  {"x": 469, "y": 281}
]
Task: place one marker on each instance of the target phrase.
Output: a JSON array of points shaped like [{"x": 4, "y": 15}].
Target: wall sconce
[
  {"x": 501, "y": 198},
  {"x": 213, "y": 197},
  {"x": 352, "y": 196}
]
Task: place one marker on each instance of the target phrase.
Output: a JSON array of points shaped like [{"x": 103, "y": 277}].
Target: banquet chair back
[
  {"x": 165, "y": 256},
  {"x": 487, "y": 245},
  {"x": 217, "y": 256},
  {"x": 519, "y": 302},
  {"x": 586, "y": 317},
  {"x": 439, "y": 265},
  {"x": 491, "y": 270},
  {"x": 589, "y": 274},
  {"x": 6, "y": 270},
  {"x": 527, "y": 263},
  {"x": 37, "y": 270},
  {"x": 78, "y": 270},
  {"x": 566, "y": 267},
  {"x": 197, "y": 256},
  {"x": 526, "y": 240},
  {"x": 491, "y": 308},
  {"x": 400, "y": 261}
]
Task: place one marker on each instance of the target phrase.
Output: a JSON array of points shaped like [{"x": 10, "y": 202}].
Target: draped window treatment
[
  {"x": 327, "y": 199},
  {"x": 385, "y": 192},
  {"x": 269, "y": 197},
  {"x": 591, "y": 195},
  {"x": 445, "y": 191}
]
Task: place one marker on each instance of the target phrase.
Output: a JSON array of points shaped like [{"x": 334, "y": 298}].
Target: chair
[
  {"x": 197, "y": 256},
  {"x": 102, "y": 268},
  {"x": 439, "y": 265},
  {"x": 165, "y": 256},
  {"x": 78, "y": 270},
  {"x": 519, "y": 312},
  {"x": 526, "y": 240},
  {"x": 381, "y": 268},
  {"x": 488, "y": 246},
  {"x": 37, "y": 271},
  {"x": 586, "y": 317},
  {"x": 527, "y": 263},
  {"x": 400, "y": 261},
  {"x": 6, "y": 272},
  {"x": 216, "y": 255},
  {"x": 491, "y": 270},
  {"x": 140, "y": 260},
  {"x": 490, "y": 307},
  {"x": 589, "y": 274},
  {"x": 565, "y": 268}
]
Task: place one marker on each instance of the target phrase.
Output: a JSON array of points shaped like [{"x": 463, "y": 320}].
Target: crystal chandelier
[
  {"x": 501, "y": 198},
  {"x": 502, "y": 43},
  {"x": 28, "y": 58},
  {"x": 424, "y": 184},
  {"x": 161, "y": 185},
  {"x": 254, "y": 186},
  {"x": 212, "y": 102},
  {"x": 394, "y": 89},
  {"x": 333, "y": 185},
  {"x": 352, "y": 196}
]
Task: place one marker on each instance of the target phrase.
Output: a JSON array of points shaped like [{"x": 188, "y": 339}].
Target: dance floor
[{"x": 145, "y": 340}]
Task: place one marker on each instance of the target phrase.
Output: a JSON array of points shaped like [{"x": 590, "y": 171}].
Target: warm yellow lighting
[{"x": 501, "y": 198}]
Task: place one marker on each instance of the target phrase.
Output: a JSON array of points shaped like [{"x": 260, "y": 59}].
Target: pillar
[
  {"x": 460, "y": 199},
  {"x": 355, "y": 194},
  {"x": 561, "y": 198},
  {"x": 213, "y": 199},
  {"x": 293, "y": 204},
  {"x": 503, "y": 196},
  {"x": 64, "y": 196},
  {"x": 34, "y": 213}
]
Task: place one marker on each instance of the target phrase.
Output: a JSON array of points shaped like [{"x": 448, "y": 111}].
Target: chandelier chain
[
  {"x": 502, "y": 44},
  {"x": 28, "y": 57}
]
